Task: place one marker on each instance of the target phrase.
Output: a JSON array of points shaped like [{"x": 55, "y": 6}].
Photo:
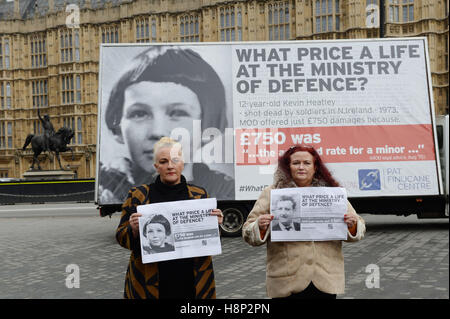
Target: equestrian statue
[{"x": 50, "y": 141}]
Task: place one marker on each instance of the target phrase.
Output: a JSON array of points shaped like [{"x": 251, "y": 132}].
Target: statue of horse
[{"x": 57, "y": 143}]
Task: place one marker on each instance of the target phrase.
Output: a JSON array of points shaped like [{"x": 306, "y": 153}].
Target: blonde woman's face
[
  {"x": 152, "y": 110},
  {"x": 169, "y": 165}
]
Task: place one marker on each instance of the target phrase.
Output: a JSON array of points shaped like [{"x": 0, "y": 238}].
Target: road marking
[{"x": 44, "y": 209}]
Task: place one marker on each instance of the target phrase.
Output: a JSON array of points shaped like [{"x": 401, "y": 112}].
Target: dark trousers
[{"x": 311, "y": 292}]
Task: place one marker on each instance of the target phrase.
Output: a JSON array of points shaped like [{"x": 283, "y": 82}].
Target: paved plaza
[{"x": 411, "y": 257}]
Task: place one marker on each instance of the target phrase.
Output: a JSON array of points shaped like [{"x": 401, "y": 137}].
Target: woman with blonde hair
[{"x": 188, "y": 278}]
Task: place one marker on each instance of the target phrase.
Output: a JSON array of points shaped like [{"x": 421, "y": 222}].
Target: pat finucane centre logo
[{"x": 369, "y": 179}]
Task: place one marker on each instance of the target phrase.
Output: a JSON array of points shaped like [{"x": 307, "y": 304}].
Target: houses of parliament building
[{"x": 49, "y": 52}]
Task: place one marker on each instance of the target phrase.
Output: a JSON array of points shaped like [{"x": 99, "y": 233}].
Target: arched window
[
  {"x": 142, "y": 30},
  {"x": 189, "y": 28},
  {"x": 327, "y": 12},
  {"x": 79, "y": 131},
  {"x": 8, "y": 95},
  {"x": 279, "y": 21},
  {"x": 230, "y": 23}
]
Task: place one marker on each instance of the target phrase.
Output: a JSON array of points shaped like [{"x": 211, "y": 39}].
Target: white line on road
[{"x": 42, "y": 209}]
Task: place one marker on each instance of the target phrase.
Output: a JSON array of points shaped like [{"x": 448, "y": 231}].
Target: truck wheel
[{"x": 233, "y": 220}]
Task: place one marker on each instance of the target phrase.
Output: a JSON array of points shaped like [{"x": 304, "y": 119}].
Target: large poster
[
  {"x": 150, "y": 91},
  {"x": 365, "y": 105}
]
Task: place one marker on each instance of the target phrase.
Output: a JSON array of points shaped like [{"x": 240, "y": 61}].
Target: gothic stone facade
[{"x": 49, "y": 61}]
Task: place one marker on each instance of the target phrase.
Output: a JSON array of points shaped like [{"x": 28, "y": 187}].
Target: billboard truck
[{"x": 365, "y": 105}]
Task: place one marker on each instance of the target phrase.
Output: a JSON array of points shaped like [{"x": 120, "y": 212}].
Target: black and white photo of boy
[{"x": 157, "y": 231}]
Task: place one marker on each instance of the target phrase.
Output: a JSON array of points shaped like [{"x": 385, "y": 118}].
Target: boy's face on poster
[
  {"x": 152, "y": 110},
  {"x": 156, "y": 234}
]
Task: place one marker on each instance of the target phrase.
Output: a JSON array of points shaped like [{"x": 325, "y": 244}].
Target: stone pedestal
[{"x": 48, "y": 175}]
